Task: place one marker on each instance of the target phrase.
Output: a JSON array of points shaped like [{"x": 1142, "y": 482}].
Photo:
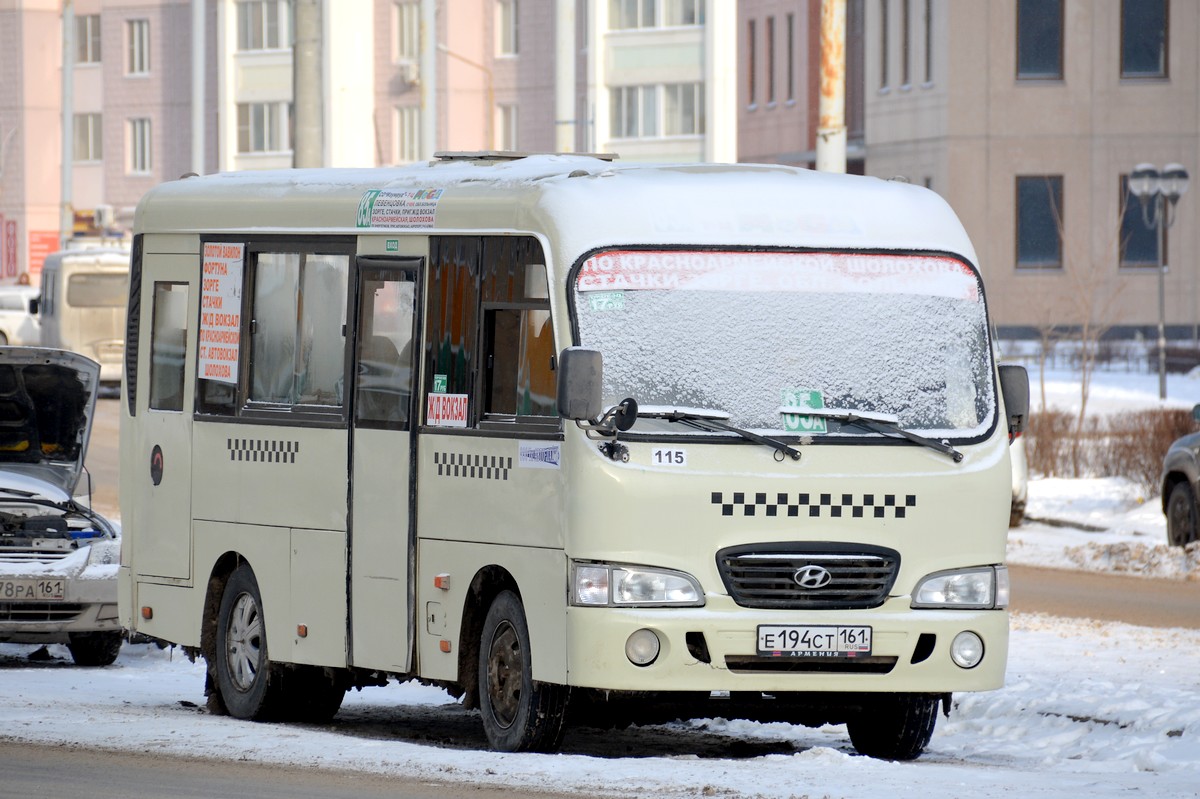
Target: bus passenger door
[
  {"x": 381, "y": 539},
  {"x": 156, "y": 456}
]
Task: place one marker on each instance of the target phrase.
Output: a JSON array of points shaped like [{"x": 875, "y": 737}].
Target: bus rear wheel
[
  {"x": 519, "y": 714},
  {"x": 894, "y": 726},
  {"x": 243, "y": 668}
]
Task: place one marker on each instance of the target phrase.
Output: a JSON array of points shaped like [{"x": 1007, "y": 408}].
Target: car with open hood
[{"x": 58, "y": 557}]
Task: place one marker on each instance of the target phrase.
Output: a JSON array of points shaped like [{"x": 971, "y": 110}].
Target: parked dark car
[
  {"x": 58, "y": 558},
  {"x": 1180, "y": 478}
]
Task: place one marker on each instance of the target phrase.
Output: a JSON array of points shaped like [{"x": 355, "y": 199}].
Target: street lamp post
[{"x": 1158, "y": 192}]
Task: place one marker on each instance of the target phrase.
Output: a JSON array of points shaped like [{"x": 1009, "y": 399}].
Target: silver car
[{"x": 58, "y": 558}]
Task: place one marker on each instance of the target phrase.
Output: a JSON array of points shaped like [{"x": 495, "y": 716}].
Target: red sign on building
[{"x": 41, "y": 244}]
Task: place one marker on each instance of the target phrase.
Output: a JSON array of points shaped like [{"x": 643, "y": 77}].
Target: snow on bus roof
[{"x": 589, "y": 202}]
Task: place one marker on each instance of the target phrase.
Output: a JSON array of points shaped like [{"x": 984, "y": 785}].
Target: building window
[
  {"x": 87, "y": 39},
  {"x": 1144, "y": 38},
  {"x": 791, "y": 58},
  {"x": 752, "y": 62},
  {"x": 1139, "y": 244},
  {"x": 1040, "y": 39},
  {"x": 634, "y": 112},
  {"x": 905, "y": 43},
  {"x": 683, "y": 109},
  {"x": 88, "y": 137},
  {"x": 645, "y": 112},
  {"x": 264, "y": 128},
  {"x": 633, "y": 14},
  {"x": 137, "y": 33},
  {"x": 506, "y": 127},
  {"x": 408, "y": 134},
  {"x": 264, "y": 25},
  {"x": 1039, "y": 221},
  {"x": 140, "y": 161},
  {"x": 408, "y": 31},
  {"x": 770, "y": 32},
  {"x": 682, "y": 13},
  {"x": 627, "y": 14},
  {"x": 884, "y": 55},
  {"x": 506, "y": 27}
]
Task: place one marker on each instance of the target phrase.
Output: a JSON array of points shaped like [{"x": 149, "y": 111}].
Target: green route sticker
[
  {"x": 802, "y": 398},
  {"x": 607, "y": 300},
  {"x": 393, "y": 245},
  {"x": 439, "y": 384}
]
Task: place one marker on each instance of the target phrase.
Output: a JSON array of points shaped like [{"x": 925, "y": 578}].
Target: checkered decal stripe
[
  {"x": 865, "y": 506},
  {"x": 262, "y": 450},
  {"x": 480, "y": 467}
]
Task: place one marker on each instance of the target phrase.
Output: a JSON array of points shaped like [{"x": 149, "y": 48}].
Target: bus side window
[
  {"x": 168, "y": 346},
  {"x": 299, "y": 312},
  {"x": 518, "y": 335}
]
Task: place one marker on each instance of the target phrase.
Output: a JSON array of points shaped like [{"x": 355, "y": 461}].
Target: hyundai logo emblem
[{"x": 812, "y": 577}]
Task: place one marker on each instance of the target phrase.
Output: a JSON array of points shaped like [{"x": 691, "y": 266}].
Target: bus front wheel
[
  {"x": 894, "y": 726},
  {"x": 519, "y": 713},
  {"x": 243, "y": 669}
]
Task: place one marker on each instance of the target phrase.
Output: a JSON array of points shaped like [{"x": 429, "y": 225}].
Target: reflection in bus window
[
  {"x": 168, "y": 342},
  {"x": 299, "y": 315},
  {"x": 384, "y": 375}
]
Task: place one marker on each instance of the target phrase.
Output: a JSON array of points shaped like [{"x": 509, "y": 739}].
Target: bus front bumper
[{"x": 714, "y": 648}]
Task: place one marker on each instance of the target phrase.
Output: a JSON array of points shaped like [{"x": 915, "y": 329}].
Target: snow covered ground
[{"x": 1090, "y": 708}]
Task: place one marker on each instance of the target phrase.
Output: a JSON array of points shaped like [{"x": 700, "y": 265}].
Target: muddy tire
[
  {"x": 95, "y": 649},
  {"x": 519, "y": 714},
  {"x": 248, "y": 686},
  {"x": 1181, "y": 515},
  {"x": 1016, "y": 514},
  {"x": 895, "y": 726},
  {"x": 310, "y": 695}
]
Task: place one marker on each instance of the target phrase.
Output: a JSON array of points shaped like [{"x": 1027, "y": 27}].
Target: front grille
[
  {"x": 30, "y": 554},
  {"x": 39, "y": 611},
  {"x": 765, "y": 575},
  {"x": 748, "y": 664}
]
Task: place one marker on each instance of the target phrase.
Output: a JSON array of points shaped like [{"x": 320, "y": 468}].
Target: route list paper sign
[{"x": 221, "y": 311}]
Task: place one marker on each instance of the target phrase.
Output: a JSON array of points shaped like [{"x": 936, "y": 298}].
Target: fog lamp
[
  {"x": 642, "y": 647},
  {"x": 966, "y": 650}
]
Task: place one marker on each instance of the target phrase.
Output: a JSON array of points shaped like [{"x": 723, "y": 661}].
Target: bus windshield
[{"x": 756, "y": 338}]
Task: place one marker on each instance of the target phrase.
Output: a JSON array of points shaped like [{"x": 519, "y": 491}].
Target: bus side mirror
[
  {"x": 33, "y": 306},
  {"x": 1014, "y": 386},
  {"x": 580, "y": 372}
]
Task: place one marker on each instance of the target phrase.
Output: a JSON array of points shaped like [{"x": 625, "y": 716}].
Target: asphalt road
[
  {"x": 1134, "y": 600},
  {"x": 60, "y": 772}
]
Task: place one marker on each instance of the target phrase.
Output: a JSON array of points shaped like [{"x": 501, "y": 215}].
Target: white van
[
  {"x": 572, "y": 438},
  {"x": 18, "y": 316},
  {"x": 82, "y": 305}
]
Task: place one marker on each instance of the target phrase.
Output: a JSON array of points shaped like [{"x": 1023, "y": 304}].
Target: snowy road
[{"x": 1090, "y": 709}]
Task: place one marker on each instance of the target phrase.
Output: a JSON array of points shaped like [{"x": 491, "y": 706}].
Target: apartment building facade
[
  {"x": 634, "y": 77},
  {"x": 1028, "y": 117}
]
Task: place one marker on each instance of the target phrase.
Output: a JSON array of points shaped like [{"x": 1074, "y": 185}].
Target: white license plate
[
  {"x": 31, "y": 590},
  {"x": 793, "y": 640}
]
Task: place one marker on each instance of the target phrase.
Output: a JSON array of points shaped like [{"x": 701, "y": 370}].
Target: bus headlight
[
  {"x": 605, "y": 585},
  {"x": 982, "y": 588}
]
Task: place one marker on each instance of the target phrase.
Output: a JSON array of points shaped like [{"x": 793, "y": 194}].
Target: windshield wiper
[
  {"x": 706, "y": 422},
  {"x": 880, "y": 424}
]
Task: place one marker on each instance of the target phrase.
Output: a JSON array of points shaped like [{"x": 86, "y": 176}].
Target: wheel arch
[
  {"x": 1171, "y": 478},
  {"x": 217, "y": 579},
  {"x": 488, "y": 582}
]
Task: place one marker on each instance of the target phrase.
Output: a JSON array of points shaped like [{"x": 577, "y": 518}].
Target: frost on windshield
[{"x": 741, "y": 332}]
